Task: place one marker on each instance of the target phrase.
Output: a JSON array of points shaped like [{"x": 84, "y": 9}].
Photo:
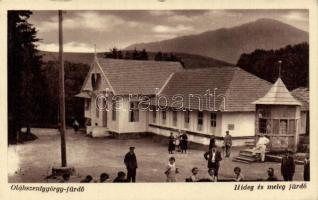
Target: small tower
[{"x": 278, "y": 117}]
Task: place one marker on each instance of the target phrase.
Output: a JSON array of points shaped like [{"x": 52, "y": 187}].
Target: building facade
[{"x": 129, "y": 97}]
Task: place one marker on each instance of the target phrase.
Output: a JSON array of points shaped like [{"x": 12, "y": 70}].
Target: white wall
[
  {"x": 125, "y": 126},
  {"x": 303, "y": 123},
  {"x": 244, "y": 123}
]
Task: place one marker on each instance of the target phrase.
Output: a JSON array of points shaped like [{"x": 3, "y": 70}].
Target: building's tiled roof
[
  {"x": 239, "y": 87},
  {"x": 136, "y": 76},
  {"x": 302, "y": 95},
  {"x": 278, "y": 95}
]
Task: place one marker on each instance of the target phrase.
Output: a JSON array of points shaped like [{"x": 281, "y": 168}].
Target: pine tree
[{"x": 25, "y": 82}]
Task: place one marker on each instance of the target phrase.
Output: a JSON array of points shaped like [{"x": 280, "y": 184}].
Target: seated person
[
  {"x": 193, "y": 177},
  {"x": 271, "y": 175},
  {"x": 87, "y": 179},
  {"x": 238, "y": 176},
  {"x": 121, "y": 177},
  {"x": 104, "y": 178},
  {"x": 210, "y": 177}
]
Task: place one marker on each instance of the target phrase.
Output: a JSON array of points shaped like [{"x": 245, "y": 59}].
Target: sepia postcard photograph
[{"x": 170, "y": 96}]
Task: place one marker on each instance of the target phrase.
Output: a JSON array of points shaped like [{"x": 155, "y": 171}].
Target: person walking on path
[
  {"x": 227, "y": 144},
  {"x": 212, "y": 142},
  {"x": 171, "y": 170},
  {"x": 288, "y": 166},
  {"x": 184, "y": 143},
  {"x": 213, "y": 156},
  {"x": 171, "y": 145},
  {"x": 131, "y": 165}
]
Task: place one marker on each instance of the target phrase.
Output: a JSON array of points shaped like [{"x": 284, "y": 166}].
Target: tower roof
[{"x": 278, "y": 95}]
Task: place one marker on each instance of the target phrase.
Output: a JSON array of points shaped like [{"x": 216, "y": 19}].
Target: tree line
[
  {"x": 294, "y": 65},
  {"x": 141, "y": 55}
]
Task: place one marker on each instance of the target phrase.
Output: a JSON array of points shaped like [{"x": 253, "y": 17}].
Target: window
[
  {"x": 292, "y": 126},
  {"x": 186, "y": 119},
  {"x": 213, "y": 120},
  {"x": 283, "y": 126},
  {"x": 114, "y": 111},
  {"x": 134, "y": 112},
  {"x": 174, "y": 118},
  {"x": 96, "y": 81},
  {"x": 200, "y": 121},
  {"x": 164, "y": 116},
  {"x": 154, "y": 115}
]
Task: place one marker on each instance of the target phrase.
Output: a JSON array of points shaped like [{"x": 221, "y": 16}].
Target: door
[{"x": 105, "y": 118}]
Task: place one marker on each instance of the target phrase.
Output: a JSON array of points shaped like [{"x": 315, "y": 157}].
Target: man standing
[
  {"x": 307, "y": 168},
  {"x": 261, "y": 146},
  {"x": 288, "y": 166},
  {"x": 171, "y": 144},
  {"x": 213, "y": 156},
  {"x": 131, "y": 165},
  {"x": 227, "y": 144},
  {"x": 184, "y": 143}
]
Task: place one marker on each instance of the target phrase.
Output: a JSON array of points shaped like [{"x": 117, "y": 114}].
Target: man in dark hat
[
  {"x": 213, "y": 156},
  {"x": 131, "y": 165},
  {"x": 288, "y": 166}
]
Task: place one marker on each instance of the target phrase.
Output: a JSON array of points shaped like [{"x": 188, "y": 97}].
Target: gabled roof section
[
  {"x": 302, "y": 95},
  {"x": 278, "y": 95},
  {"x": 137, "y": 77},
  {"x": 235, "y": 89}
]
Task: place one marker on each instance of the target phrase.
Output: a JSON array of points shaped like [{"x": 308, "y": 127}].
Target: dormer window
[{"x": 96, "y": 81}]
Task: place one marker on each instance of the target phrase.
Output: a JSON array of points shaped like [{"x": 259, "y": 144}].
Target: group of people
[
  {"x": 178, "y": 143},
  {"x": 213, "y": 157}
]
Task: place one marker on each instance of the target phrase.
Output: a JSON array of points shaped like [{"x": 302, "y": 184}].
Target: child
[
  {"x": 211, "y": 175},
  {"x": 193, "y": 177},
  {"x": 171, "y": 170},
  {"x": 121, "y": 177},
  {"x": 238, "y": 175},
  {"x": 104, "y": 178}
]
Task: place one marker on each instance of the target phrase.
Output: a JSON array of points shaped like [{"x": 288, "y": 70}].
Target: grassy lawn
[{"x": 32, "y": 161}]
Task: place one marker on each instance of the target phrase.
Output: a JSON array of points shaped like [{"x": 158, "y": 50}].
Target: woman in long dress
[{"x": 171, "y": 145}]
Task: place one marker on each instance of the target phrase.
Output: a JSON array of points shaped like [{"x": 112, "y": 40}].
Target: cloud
[
  {"x": 169, "y": 29},
  {"x": 296, "y": 16},
  {"x": 92, "y": 20},
  {"x": 67, "y": 47}
]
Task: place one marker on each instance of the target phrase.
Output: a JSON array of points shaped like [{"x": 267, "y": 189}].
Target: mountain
[
  {"x": 229, "y": 43},
  {"x": 189, "y": 61}
]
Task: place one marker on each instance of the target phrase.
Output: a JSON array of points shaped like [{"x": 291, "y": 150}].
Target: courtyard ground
[{"x": 32, "y": 161}]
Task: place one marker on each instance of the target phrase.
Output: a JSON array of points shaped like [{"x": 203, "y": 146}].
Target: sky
[{"x": 119, "y": 28}]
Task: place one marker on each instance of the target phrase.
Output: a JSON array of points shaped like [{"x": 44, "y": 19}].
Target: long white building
[{"x": 200, "y": 102}]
